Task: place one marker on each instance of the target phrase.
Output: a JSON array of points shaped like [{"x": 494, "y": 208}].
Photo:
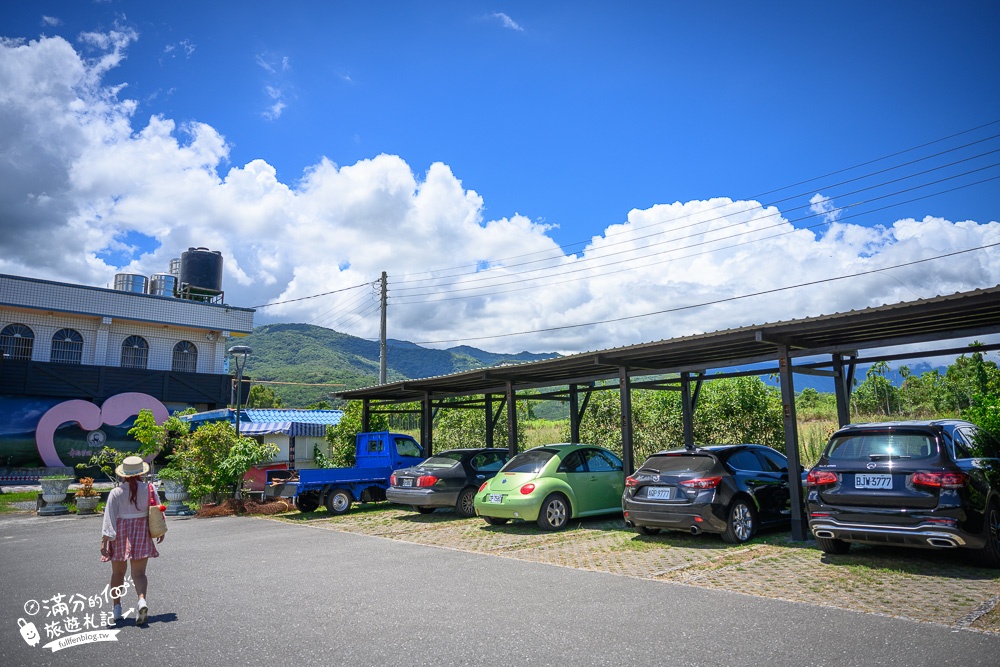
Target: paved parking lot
[{"x": 941, "y": 587}]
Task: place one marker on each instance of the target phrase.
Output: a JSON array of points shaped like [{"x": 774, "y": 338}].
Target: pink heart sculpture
[{"x": 113, "y": 412}]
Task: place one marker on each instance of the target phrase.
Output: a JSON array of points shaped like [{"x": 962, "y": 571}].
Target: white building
[{"x": 64, "y": 345}]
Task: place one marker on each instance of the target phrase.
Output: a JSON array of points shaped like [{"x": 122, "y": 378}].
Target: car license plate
[
  {"x": 872, "y": 481},
  {"x": 495, "y": 498},
  {"x": 659, "y": 492},
  {"x": 407, "y": 481}
]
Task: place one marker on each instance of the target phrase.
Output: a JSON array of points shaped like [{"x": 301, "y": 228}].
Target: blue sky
[{"x": 319, "y": 143}]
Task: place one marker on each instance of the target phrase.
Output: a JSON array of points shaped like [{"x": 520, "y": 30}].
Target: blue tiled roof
[
  {"x": 299, "y": 416},
  {"x": 224, "y": 414}
]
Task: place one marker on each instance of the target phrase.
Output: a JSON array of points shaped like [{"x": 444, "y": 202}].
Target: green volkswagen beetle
[{"x": 553, "y": 484}]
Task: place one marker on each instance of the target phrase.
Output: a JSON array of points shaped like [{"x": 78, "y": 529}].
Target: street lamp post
[{"x": 240, "y": 354}]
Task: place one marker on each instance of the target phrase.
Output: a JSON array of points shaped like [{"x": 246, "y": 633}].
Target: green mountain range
[{"x": 303, "y": 354}]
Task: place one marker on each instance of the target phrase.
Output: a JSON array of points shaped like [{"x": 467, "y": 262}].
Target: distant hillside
[{"x": 310, "y": 354}]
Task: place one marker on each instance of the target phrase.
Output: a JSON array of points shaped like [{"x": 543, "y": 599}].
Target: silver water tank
[
  {"x": 163, "y": 284},
  {"x": 175, "y": 266},
  {"x": 130, "y": 282},
  {"x": 201, "y": 269}
]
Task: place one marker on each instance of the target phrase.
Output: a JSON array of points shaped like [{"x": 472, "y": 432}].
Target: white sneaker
[
  {"x": 143, "y": 612},
  {"x": 116, "y": 613}
]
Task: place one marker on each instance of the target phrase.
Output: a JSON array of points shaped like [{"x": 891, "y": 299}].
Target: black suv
[{"x": 927, "y": 484}]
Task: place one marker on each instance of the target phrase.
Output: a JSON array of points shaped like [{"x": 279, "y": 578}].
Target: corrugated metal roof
[
  {"x": 966, "y": 314},
  {"x": 301, "y": 416}
]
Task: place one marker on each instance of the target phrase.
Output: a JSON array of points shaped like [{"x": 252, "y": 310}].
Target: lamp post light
[{"x": 240, "y": 354}]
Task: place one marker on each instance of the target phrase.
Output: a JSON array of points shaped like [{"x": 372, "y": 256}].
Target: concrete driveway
[{"x": 255, "y": 591}]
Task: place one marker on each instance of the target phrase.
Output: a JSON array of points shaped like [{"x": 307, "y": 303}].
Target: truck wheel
[
  {"x": 307, "y": 502},
  {"x": 338, "y": 502},
  {"x": 466, "y": 505},
  {"x": 423, "y": 510},
  {"x": 495, "y": 520}
]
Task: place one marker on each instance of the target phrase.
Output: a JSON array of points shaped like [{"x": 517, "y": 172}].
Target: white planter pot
[
  {"x": 53, "y": 493},
  {"x": 176, "y": 494},
  {"x": 86, "y": 504}
]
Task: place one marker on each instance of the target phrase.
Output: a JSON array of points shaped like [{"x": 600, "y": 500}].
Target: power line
[
  {"x": 709, "y": 303},
  {"x": 543, "y": 280},
  {"x": 312, "y": 296},
  {"x": 565, "y": 247}
]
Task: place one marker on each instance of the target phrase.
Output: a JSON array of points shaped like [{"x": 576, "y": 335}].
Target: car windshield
[
  {"x": 530, "y": 461},
  {"x": 442, "y": 460},
  {"x": 871, "y": 446},
  {"x": 677, "y": 463}
]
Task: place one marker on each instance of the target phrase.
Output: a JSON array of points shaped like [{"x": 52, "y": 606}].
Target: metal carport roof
[{"x": 961, "y": 315}]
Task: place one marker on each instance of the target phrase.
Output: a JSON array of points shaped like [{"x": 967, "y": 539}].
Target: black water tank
[{"x": 201, "y": 269}]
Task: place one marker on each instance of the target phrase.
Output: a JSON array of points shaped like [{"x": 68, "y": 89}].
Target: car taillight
[
  {"x": 392, "y": 480},
  {"x": 426, "y": 480},
  {"x": 483, "y": 487},
  {"x": 821, "y": 478},
  {"x": 940, "y": 480},
  {"x": 631, "y": 481},
  {"x": 527, "y": 488},
  {"x": 702, "y": 483}
]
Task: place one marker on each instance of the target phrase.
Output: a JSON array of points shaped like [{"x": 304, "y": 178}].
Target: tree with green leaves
[
  {"x": 213, "y": 460},
  {"x": 876, "y": 395},
  {"x": 456, "y": 428},
  {"x": 731, "y": 410},
  {"x": 343, "y": 435},
  {"x": 262, "y": 397}
]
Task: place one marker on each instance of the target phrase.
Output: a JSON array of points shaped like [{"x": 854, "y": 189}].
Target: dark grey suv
[{"x": 927, "y": 484}]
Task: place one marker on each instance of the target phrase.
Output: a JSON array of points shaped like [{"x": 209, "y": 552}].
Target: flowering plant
[{"x": 86, "y": 489}]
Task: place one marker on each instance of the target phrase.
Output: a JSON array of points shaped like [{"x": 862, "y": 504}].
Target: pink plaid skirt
[{"x": 133, "y": 541}]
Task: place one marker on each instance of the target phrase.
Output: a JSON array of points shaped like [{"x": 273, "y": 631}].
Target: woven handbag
[{"x": 157, "y": 523}]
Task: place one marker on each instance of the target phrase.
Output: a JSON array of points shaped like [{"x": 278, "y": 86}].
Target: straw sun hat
[{"x": 132, "y": 466}]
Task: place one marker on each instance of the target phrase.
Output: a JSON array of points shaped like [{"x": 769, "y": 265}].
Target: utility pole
[{"x": 381, "y": 336}]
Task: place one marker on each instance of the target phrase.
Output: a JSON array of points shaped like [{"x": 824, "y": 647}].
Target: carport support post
[
  {"x": 625, "y": 396},
  {"x": 427, "y": 425},
  {"x": 574, "y": 414},
  {"x": 687, "y": 410},
  {"x": 489, "y": 419},
  {"x": 799, "y": 525},
  {"x": 511, "y": 419},
  {"x": 366, "y": 415},
  {"x": 842, "y": 391}
]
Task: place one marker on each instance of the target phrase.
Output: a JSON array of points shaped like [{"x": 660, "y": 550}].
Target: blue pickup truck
[{"x": 376, "y": 456}]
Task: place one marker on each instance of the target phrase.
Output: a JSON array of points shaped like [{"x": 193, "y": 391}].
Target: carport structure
[{"x": 827, "y": 345}]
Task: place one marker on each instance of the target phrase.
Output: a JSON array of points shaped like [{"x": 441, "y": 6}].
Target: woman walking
[{"x": 125, "y": 534}]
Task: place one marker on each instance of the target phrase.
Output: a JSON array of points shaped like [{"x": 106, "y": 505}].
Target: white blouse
[{"x": 119, "y": 507}]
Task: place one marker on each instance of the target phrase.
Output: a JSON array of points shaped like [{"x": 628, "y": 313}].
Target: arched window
[
  {"x": 17, "y": 342},
  {"x": 135, "y": 352},
  {"x": 67, "y": 347},
  {"x": 185, "y": 357}
]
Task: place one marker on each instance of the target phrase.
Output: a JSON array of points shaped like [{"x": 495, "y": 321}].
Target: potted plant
[
  {"x": 175, "y": 488},
  {"x": 86, "y": 497},
  {"x": 54, "y": 489}
]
